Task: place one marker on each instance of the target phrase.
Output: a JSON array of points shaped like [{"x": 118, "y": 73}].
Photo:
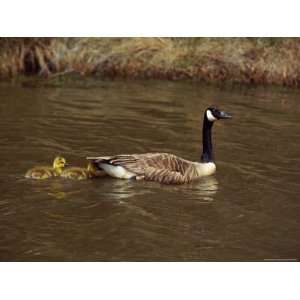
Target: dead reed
[{"x": 237, "y": 60}]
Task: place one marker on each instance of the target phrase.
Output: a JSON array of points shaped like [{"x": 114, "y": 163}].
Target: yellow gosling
[
  {"x": 78, "y": 173},
  {"x": 44, "y": 172}
]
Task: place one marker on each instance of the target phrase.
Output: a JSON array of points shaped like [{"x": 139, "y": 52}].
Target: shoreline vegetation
[{"x": 273, "y": 61}]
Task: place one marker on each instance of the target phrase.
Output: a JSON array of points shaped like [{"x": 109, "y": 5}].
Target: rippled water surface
[{"x": 249, "y": 210}]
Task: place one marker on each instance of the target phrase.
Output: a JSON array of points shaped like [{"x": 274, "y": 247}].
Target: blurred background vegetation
[{"x": 236, "y": 60}]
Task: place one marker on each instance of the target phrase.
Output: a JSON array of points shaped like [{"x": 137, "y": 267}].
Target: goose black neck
[{"x": 207, "y": 154}]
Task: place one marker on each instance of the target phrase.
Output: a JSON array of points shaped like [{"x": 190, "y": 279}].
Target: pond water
[{"x": 248, "y": 210}]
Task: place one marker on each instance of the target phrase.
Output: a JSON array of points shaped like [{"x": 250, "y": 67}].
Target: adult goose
[{"x": 164, "y": 167}]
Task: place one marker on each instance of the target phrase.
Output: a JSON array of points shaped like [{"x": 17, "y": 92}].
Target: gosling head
[
  {"x": 59, "y": 163},
  {"x": 213, "y": 114}
]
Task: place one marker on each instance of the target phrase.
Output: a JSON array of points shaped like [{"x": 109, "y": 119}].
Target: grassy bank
[{"x": 240, "y": 60}]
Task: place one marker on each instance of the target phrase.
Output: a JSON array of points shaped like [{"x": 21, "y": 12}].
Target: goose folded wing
[
  {"x": 160, "y": 167},
  {"x": 139, "y": 163},
  {"x": 150, "y": 169},
  {"x": 164, "y": 176}
]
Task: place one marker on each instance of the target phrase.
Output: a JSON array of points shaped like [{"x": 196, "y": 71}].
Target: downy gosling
[
  {"x": 78, "y": 173},
  {"x": 44, "y": 172}
]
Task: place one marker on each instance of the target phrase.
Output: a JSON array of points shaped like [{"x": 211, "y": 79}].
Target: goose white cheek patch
[{"x": 210, "y": 116}]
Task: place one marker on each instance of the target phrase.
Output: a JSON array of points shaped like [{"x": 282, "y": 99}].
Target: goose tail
[
  {"x": 101, "y": 159},
  {"x": 112, "y": 167}
]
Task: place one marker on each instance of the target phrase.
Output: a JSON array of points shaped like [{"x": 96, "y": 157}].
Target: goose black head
[{"x": 213, "y": 114}]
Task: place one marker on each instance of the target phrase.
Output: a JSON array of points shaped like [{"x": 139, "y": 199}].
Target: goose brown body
[
  {"x": 161, "y": 167},
  {"x": 164, "y": 167}
]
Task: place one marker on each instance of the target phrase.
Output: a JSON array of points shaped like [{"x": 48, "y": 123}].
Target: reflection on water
[
  {"x": 203, "y": 190},
  {"x": 249, "y": 210}
]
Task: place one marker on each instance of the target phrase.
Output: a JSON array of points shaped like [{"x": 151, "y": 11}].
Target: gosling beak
[
  {"x": 67, "y": 164},
  {"x": 224, "y": 115}
]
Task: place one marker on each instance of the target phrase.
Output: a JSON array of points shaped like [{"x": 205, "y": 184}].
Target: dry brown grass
[{"x": 241, "y": 60}]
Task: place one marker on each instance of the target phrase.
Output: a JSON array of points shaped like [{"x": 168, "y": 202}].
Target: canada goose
[
  {"x": 44, "y": 172},
  {"x": 164, "y": 167},
  {"x": 91, "y": 171}
]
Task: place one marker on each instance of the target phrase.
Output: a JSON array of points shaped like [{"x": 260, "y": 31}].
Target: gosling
[
  {"x": 78, "y": 173},
  {"x": 45, "y": 172}
]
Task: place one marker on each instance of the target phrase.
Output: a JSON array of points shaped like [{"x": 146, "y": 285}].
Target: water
[{"x": 249, "y": 210}]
